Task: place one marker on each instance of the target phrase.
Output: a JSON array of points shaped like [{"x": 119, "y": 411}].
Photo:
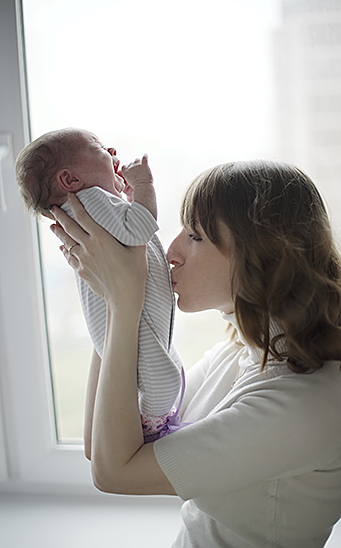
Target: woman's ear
[{"x": 69, "y": 181}]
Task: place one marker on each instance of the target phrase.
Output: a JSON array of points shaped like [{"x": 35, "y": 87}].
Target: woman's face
[{"x": 202, "y": 273}]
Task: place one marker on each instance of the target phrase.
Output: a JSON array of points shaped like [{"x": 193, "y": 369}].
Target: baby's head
[{"x": 63, "y": 161}]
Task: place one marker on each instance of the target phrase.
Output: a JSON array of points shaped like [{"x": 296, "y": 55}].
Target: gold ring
[{"x": 69, "y": 250}]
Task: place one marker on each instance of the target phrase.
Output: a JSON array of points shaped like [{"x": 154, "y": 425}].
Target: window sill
[{"x": 104, "y": 520}]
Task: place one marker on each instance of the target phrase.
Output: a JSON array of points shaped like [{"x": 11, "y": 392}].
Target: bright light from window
[{"x": 189, "y": 82}]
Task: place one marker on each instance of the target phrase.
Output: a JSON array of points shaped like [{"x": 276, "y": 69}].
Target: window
[
  {"x": 191, "y": 86},
  {"x": 30, "y": 458},
  {"x": 140, "y": 98}
]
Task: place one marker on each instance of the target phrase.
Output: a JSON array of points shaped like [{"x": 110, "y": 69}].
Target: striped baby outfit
[{"x": 159, "y": 365}]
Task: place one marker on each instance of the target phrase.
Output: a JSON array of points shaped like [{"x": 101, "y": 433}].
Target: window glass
[
  {"x": 69, "y": 343},
  {"x": 307, "y": 90},
  {"x": 193, "y": 85}
]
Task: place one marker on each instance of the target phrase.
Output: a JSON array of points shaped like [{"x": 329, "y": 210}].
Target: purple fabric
[
  {"x": 172, "y": 425},
  {"x": 173, "y": 422}
]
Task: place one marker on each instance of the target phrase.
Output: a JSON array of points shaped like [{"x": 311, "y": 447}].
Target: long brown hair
[{"x": 287, "y": 265}]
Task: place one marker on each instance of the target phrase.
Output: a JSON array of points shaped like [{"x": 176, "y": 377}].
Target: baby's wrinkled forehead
[
  {"x": 86, "y": 137},
  {"x": 95, "y": 139}
]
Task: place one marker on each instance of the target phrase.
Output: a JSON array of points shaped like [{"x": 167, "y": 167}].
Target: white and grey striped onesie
[{"x": 159, "y": 365}]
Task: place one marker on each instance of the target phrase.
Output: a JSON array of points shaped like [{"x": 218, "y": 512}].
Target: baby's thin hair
[{"x": 38, "y": 164}]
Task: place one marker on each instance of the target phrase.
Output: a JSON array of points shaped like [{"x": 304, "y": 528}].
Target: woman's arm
[
  {"x": 120, "y": 461},
  {"x": 90, "y": 402}
]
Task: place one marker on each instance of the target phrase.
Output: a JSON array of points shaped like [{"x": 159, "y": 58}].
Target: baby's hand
[
  {"x": 129, "y": 192},
  {"x": 139, "y": 184},
  {"x": 137, "y": 172}
]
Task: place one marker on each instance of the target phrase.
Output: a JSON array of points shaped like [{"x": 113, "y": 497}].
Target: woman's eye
[{"x": 194, "y": 237}]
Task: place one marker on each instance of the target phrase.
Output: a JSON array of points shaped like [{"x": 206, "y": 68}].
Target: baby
[{"x": 74, "y": 160}]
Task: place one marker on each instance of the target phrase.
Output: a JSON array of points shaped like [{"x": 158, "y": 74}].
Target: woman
[{"x": 260, "y": 465}]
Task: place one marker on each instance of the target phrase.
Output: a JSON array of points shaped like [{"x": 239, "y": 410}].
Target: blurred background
[{"x": 193, "y": 85}]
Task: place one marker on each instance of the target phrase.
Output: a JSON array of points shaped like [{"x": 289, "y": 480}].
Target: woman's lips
[{"x": 173, "y": 282}]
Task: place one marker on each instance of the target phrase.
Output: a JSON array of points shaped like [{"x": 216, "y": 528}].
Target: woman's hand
[{"x": 113, "y": 271}]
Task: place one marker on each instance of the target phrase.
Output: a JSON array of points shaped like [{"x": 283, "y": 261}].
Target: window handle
[{"x": 6, "y": 161}]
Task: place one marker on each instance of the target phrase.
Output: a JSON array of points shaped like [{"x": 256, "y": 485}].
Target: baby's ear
[{"x": 68, "y": 180}]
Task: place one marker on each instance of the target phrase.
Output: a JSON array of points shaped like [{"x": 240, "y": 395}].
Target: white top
[
  {"x": 159, "y": 366},
  {"x": 261, "y": 465}
]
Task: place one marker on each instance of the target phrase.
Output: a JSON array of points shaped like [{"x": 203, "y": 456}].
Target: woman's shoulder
[
  {"x": 329, "y": 375},
  {"x": 317, "y": 394}
]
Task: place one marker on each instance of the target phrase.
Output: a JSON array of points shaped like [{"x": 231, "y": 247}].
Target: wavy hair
[{"x": 287, "y": 264}]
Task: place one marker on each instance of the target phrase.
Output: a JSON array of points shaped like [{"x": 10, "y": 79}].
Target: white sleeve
[
  {"x": 131, "y": 224},
  {"x": 283, "y": 426}
]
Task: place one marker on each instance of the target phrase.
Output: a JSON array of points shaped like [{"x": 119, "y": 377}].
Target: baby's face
[{"x": 98, "y": 165}]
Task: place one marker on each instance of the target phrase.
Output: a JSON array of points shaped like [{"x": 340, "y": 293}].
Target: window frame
[{"x": 31, "y": 459}]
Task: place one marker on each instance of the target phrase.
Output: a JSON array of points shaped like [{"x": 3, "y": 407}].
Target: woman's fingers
[
  {"x": 70, "y": 255},
  {"x": 72, "y": 233},
  {"x": 82, "y": 217},
  {"x": 59, "y": 231},
  {"x": 70, "y": 227},
  {"x": 113, "y": 271}
]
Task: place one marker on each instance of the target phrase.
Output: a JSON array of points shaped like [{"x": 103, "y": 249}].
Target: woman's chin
[
  {"x": 179, "y": 303},
  {"x": 186, "y": 307}
]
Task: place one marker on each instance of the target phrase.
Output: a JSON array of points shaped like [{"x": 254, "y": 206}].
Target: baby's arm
[{"x": 139, "y": 177}]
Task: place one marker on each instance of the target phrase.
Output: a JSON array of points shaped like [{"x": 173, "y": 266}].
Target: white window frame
[{"x": 31, "y": 459}]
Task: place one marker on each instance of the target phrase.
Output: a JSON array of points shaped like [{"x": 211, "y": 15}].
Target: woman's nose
[{"x": 174, "y": 255}]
